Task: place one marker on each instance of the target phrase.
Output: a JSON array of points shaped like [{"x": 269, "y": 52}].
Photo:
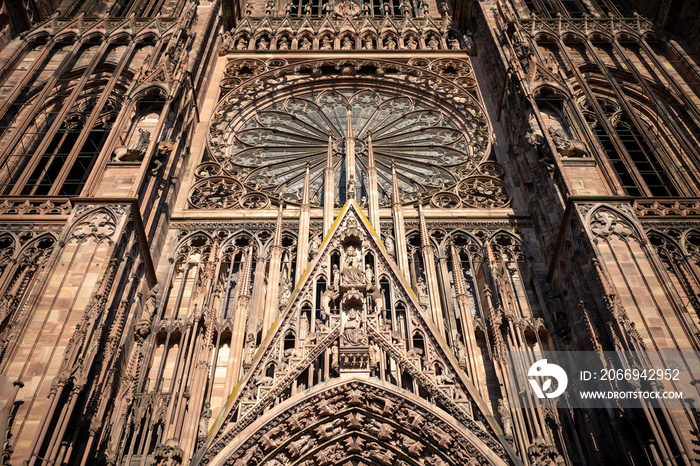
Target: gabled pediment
[{"x": 352, "y": 314}]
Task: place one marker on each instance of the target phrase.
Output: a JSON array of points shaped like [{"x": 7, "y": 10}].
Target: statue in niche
[
  {"x": 334, "y": 356},
  {"x": 347, "y": 44},
  {"x": 368, "y": 44},
  {"x": 433, "y": 43},
  {"x": 286, "y": 291},
  {"x": 263, "y": 44},
  {"x": 567, "y": 147},
  {"x": 454, "y": 43},
  {"x": 373, "y": 356},
  {"x": 422, "y": 291},
  {"x": 226, "y": 42},
  {"x": 390, "y": 44},
  {"x": 249, "y": 349},
  {"x": 411, "y": 44},
  {"x": 242, "y": 44},
  {"x": 284, "y": 43},
  {"x": 390, "y": 248},
  {"x": 352, "y": 331},
  {"x": 204, "y": 423},
  {"x": 305, "y": 44},
  {"x": 505, "y": 419},
  {"x": 336, "y": 278},
  {"x": 314, "y": 245},
  {"x": 551, "y": 63},
  {"x": 352, "y": 273},
  {"x": 369, "y": 275},
  {"x": 326, "y": 43}
]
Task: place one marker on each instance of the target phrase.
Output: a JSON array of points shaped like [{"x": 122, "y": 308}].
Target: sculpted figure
[
  {"x": 305, "y": 44},
  {"x": 351, "y": 271}
]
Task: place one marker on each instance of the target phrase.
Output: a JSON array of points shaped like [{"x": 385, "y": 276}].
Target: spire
[
  {"x": 399, "y": 227},
  {"x": 273, "y": 279},
  {"x": 424, "y": 238},
  {"x": 350, "y": 182},
  {"x": 305, "y": 195},
  {"x": 372, "y": 191},
  {"x": 395, "y": 193},
  {"x": 304, "y": 219},
  {"x": 329, "y": 189}
]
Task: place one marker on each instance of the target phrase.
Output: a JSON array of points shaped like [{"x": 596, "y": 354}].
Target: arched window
[
  {"x": 56, "y": 159},
  {"x": 634, "y": 151}
]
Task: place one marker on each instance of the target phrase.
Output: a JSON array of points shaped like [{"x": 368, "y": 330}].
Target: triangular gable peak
[
  {"x": 326, "y": 26},
  {"x": 306, "y": 26},
  {"x": 352, "y": 314}
]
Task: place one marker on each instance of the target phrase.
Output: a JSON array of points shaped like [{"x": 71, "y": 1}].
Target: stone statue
[
  {"x": 411, "y": 44},
  {"x": 263, "y": 44},
  {"x": 422, "y": 291},
  {"x": 505, "y": 419},
  {"x": 369, "y": 275},
  {"x": 390, "y": 247},
  {"x": 425, "y": 7},
  {"x": 433, "y": 43},
  {"x": 305, "y": 44},
  {"x": 454, "y": 43},
  {"x": 565, "y": 146},
  {"x": 352, "y": 333},
  {"x": 313, "y": 247},
  {"x": 326, "y": 43},
  {"x": 242, "y": 44},
  {"x": 368, "y": 44},
  {"x": 386, "y": 8},
  {"x": 286, "y": 291},
  {"x": 283, "y": 44},
  {"x": 334, "y": 356},
  {"x": 204, "y": 423},
  {"x": 336, "y": 278},
  {"x": 347, "y": 44},
  {"x": 351, "y": 271}
]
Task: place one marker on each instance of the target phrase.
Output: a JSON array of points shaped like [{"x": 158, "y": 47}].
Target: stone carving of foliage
[{"x": 483, "y": 192}]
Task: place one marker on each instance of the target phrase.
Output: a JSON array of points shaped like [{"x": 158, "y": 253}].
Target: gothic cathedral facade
[{"x": 310, "y": 232}]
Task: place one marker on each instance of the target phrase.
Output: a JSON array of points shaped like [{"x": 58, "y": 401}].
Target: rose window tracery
[{"x": 431, "y": 146}]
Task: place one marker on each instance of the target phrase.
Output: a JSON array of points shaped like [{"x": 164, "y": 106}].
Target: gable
[{"x": 352, "y": 315}]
